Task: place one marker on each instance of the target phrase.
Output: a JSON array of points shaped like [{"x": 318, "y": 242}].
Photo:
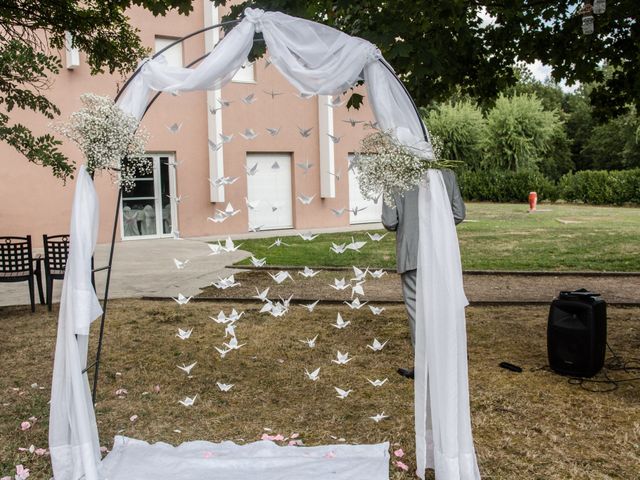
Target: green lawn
[{"x": 496, "y": 237}]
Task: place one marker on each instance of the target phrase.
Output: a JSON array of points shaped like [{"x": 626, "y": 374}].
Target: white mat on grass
[{"x": 133, "y": 459}]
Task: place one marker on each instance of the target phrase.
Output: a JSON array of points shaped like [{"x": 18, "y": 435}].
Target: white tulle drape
[
  {"x": 73, "y": 433},
  {"x": 316, "y": 59}
]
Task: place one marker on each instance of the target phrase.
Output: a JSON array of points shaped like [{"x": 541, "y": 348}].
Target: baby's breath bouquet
[
  {"x": 383, "y": 165},
  {"x": 109, "y": 139}
]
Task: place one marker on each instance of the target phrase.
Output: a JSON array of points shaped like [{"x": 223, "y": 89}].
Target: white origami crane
[
  {"x": 376, "y": 237},
  {"x": 373, "y": 125},
  {"x": 218, "y": 217},
  {"x": 338, "y": 211},
  {"x": 377, "y": 273},
  {"x": 180, "y": 265},
  {"x": 281, "y": 276},
  {"x": 378, "y": 417},
  {"x": 249, "y": 134},
  {"x": 175, "y": 128},
  {"x": 223, "y": 318},
  {"x": 376, "y": 346},
  {"x": 334, "y": 139},
  {"x": 304, "y": 95},
  {"x": 359, "y": 274},
  {"x": 225, "y": 138},
  {"x": 218, "y": 182},
  {"x": 229, "y": 246},
  {"x": 305, "y": 166},
  {"x": 224, "y": 103},
  {"x": 341, "y": 248},
  {"x": 278, "y": 309},
  {"x": 353, "y": 122},
  {"x": 355, "y": 304},
  {"x": 340, "y": 323},
  {"x": 357, "y": 210},
  {"x": 229, "y": 211},
  {"x": 182, "y": 300},
  {"x": 339, "y": 284},
  {"x": 187, "y": 368},
  {"x": 262, "y": 295},
  {"x": 273, "y": 93},
  {"x": 222, "y": 352},
  {"x": 188, "y": 401},
  {"x": 308, "y": 236},
  {"x": 216, "y": 248},
  {"x": 306, "y": 200},
  {"x": 377, "y": 383},
  {"x": 177, "y": 198},
  {"x": 249, "y": 99},
  {"x": 337, "y": 174},
  {"x": 230, "y": 330},
  {"x": 309, "y": 272},
  {"x": 310, "y": 306},
  {"x": 225, "y": 283},
  {"x": 278, "y": 243},
  {"x": 273, "y": 131},
  {"x": 286, "y": 302},
  {"x": 357, "y": 289},
  {"x": 184, "y": 334},
  {"x": 251, "y": 170},
  {"x": 255, "y": 228},
  {"x": 336, "y": 101},
  {"x": 315, "y": 375},
  {"x": 224, "y": 387},
  {"x": 305, "y": 132},
  {"x": 258, "y": 262},
  {"x": 233, "y": 344},
  {"x": 376, "y": 310},
  {"x": 355, "y": 246},
  {"x": 310, "y": 342},
  {"x": 342, "y": 394},
  {"x": 342, "y": 358},
  {"x": 252, "y": 205}
]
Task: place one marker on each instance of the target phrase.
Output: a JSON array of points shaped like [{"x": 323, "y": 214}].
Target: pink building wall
[{"x": 33, "y": 202}]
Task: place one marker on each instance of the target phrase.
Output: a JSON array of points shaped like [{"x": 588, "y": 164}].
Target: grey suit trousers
[{"x": 409, "y": 292}]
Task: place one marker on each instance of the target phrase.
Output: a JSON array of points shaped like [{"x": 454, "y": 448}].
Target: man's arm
[
  {"x": 457, "y": 204},
  {"x": 389, "y": 217}
]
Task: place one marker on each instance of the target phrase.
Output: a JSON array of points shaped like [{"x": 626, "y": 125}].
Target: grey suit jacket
[{"x": 403, "y": 219}]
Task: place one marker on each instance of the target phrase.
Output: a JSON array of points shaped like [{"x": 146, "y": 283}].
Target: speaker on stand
[{"x": 577, "y": 333}]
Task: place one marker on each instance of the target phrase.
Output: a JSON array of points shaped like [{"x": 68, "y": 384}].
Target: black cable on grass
[{"x": 614, "y": 364}]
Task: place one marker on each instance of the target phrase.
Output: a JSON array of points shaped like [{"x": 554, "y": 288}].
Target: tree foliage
[
  {"x": 32, "y": 33},
  {"x": 520, "y": 133},
  {"x": 462, "y": 131},
  {"x": 440, "y": 46}
]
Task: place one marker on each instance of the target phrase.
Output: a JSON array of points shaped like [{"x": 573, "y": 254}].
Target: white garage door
[
  {"x": 362, "y": 211},
  {"x": 269, "y": 191}
]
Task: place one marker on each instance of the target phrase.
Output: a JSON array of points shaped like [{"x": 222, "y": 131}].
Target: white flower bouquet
[
  {"x": 383, "y": 165},
  {"x": 109, "y": 139}
]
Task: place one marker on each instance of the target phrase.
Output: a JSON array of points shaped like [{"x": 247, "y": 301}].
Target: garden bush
[
  {"x": 601, "y": 187},
  {"x": 505, "y": 186}
]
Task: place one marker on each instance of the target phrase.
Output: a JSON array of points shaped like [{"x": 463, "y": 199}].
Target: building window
[
  {"x": 246, "y": 74},
  {"x": 174, "y": 54}
]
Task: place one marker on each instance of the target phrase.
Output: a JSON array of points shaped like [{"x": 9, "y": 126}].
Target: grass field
[
  {"x": 558, "y": 237},
  {"x": 532, "y": 425}
]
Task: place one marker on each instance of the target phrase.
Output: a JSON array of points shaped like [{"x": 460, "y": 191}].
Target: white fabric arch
[{"x": 318, "y": 59}]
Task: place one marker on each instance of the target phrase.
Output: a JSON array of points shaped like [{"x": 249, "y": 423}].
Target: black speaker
[{"x": 577, "y": 333}]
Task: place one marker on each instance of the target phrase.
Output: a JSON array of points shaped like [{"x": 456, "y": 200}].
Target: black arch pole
[{"x": 108, "y": 267}]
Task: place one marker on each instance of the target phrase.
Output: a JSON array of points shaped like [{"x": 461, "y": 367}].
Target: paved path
[{"x": 146, "y": 267}]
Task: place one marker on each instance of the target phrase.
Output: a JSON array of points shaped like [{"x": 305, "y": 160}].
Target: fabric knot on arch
[{"x": 254, "y": 16}]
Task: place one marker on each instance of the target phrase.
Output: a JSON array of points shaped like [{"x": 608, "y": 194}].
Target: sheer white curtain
[
  {"x": 320, "y": 60},
  {"x": 73, "y": 433}
]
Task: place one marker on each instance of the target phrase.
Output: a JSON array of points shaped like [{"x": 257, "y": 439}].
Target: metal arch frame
[{"x": 108, "y": 267}]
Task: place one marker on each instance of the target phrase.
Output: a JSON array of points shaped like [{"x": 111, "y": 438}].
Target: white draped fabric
[
  {"x": 73, "y": 433},
  {"x": 442, "y": 416},
  {"x": 317, "y": 59},
  {"x": 135, "y": 459}
]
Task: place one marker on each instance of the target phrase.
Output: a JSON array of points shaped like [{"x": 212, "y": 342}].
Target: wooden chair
[
  {"x": 56, "y": 251},
  {"x": 17, "y": 264}
]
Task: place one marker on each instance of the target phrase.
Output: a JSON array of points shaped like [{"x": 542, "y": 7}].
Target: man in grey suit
[{"x": 403, "y": 219}]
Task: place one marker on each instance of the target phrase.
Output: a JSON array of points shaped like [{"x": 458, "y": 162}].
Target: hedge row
[{"x": 599, "y": 187}]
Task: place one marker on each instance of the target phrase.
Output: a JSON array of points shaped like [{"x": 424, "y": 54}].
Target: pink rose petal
[
  {"x": 41, "y": 451},
  {"x": 399, "y": 453},
  {"x": 156, "y": 389},
  {"x": 295, "y": 435},
  {"x": 133, "y": 418},
  {"x": 104, "y": 449},
  {"x": 330, "y": 455},
  {"x": 25, "y": 426},
  {"x": 21, "y": 472},
  {"x": 33, "y": 419},
  {"x": 6, "y": 478},
  {"x": 401, "y": 465},
  {"x": 279, "y": 437}
]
